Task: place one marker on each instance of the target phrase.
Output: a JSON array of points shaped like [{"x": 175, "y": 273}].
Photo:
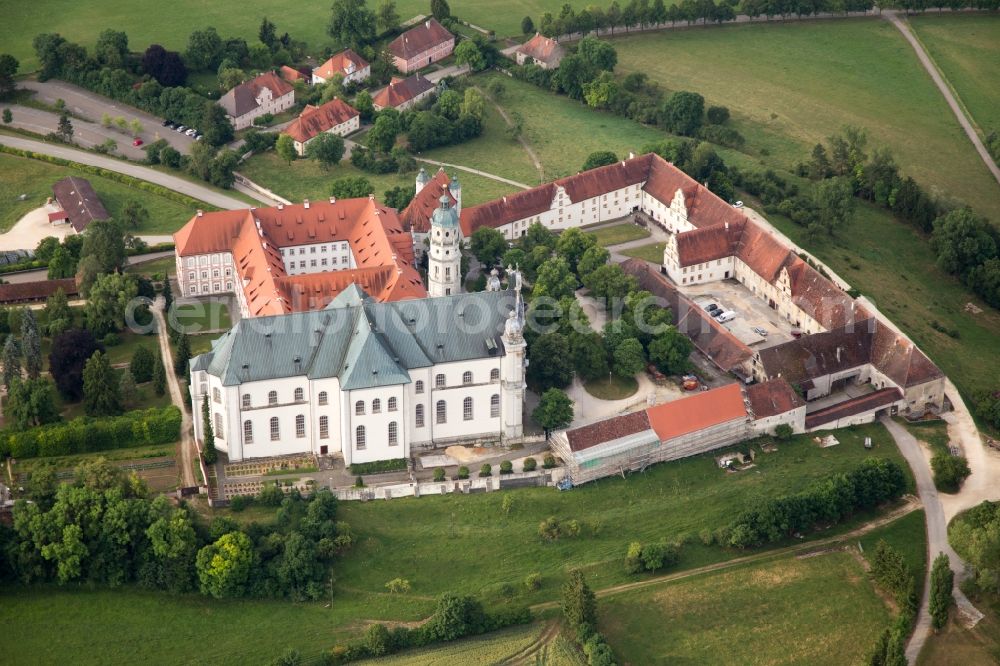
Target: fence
[{"x": 464, "y": 486}]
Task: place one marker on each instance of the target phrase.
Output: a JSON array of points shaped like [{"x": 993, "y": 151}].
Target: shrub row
[
  {"x": 86, "y": 434},
  {"x": 651, "y": 557},
  {"x": 379, "y": 466},
  {"x": 873, "y": 482},
  {"x": 113, "y": 175}
]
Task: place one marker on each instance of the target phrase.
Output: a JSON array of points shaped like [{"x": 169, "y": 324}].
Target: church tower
[
  {"x": 512, "y": 367},
  {"x": 422, "y": 180},
  {"x": 444, "y": 260}
]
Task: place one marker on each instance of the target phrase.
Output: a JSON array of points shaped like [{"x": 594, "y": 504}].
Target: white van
[{"x": 728, "y": 315}]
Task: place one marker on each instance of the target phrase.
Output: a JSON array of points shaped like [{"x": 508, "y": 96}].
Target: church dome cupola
[{"x": 445, "y": 216}]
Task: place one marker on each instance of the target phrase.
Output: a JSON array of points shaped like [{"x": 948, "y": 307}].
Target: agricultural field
[
  {"x": 492, "y": 648},
  {"x": 967, "y": 50},
  {"x": 305, "y": 179},
  {"x": 147, "y": 22},
  {"x": 893, "y": 265},
  {"x": 790, "y": 86},
  {"x": 34, "y": 178},
  {"x": 786, "y": 611}
]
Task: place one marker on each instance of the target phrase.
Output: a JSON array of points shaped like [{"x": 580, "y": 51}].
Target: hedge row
[
  {"x": 85, "y": 434},
  {"x": 379, "y": 466},
  {"x": 113, "y": 175}
]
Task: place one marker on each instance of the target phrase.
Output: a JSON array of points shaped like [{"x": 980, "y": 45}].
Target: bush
[
  {"x": 359, "y": 481},
  {"x": 111, "y": 340},
  {"x": 506, "y": 467},
  {"x": 532, "y": 582},
  {"x": 379, "y": 466},
  {"x": 486, "y": 470},
  {"x": 717, "y": 115},
  {"x": 530, "y": 464},
  {"x": 439, "y": 474},
  {"x": 463, "y": 472},
  {"x": 549, "y": 461},
  {"x": 949, "y": 471},
  {"x": 398, "y": 585},
  {"x": 240, "y": 502},
  {"x": 271, "y": 495},
  {"x": 783, "y": 432},
  {"x": 633, "y": 558}
]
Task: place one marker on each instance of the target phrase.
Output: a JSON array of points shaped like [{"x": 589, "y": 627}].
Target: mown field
[
  {"x": 790, "y": 611},
  {"x": 790, "y": 86},
  {"x": 35, "y": 178},
  {"x": 170, "y": 24},
  {"x": 967, "y": 50},
  {"x": 465, "y": 544}
]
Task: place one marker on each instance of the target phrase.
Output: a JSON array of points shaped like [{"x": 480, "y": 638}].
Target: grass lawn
[
  {"x": 619, "y": 233},
  {"x": 954, "y": 645},
  {"x": 894, "y": 266},
  {"x": 486, "y": 650},
  {"x": 34, "y": 178},
  {"x": 200, "y": 315},
  {"x": 908, "y": 535},
  {"x": 305, "y": 179},
  {"x": 166, "y": 265},
  {"x": 789, "y": 86},
  {"x": 791, "y": 611},
  {"x": 967, "y": 50},
  {"x": 144, "y": 398},
  {"x": 612, "y": 388},
  {"x": 934, "y": 433},
  {"x": 652, "y": 252},
  {"x": 202, "y": 343}
]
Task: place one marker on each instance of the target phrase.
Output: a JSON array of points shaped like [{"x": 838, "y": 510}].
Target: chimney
[
  {"x": 281, "y": 206},
  {"x": 727, "y": 225},
  {"x": 200, "y": 212},
  {"x": 631, "y": 155},
  {"x": 838, "y": 354},
  {"x": 427, "y": 23},
  {"x": 333, "y": 199},
  {"x": 305, "y": 204}
]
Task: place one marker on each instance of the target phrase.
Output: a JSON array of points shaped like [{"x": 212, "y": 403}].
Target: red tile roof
[
  {"x": 697, "y": 412},
  {"x": 607, "y": 430},
  {"x": 418, "y": 39},
  {"x": 314, "y": 120},
  {"x": 382, "y": 251},
  {"x": 772, "y": 398},
  {"x": 400, "y": 91},
  {"x": 291, "y": 74},
  {"x": 344, "y": 63},
  {"x": 416, "y": 218},
  {"x": 708, "y": 243},
  {"x": 20, "y": 292},
  {"x": 859, "y": 405},
  {"x": 543, "y": 49},
  {"x": 79, "y": 201}
]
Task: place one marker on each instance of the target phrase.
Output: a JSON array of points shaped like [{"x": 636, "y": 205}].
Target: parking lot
[{"x": 751, "y": 313}]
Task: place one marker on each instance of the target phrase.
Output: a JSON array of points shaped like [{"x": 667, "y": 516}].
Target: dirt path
[
  {"x": 911, "y": 505},
  {"x": 925, "y": 60},
  {"x": 528, "y": 654},
  {"x": 484, "y": 174},
  {"x": 186, "y": 446},
  {"x": 520, "y": 139},
  {"x": 984, "y": 462}
]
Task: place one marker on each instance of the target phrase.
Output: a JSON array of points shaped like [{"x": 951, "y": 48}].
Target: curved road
[
  {"x": 194, "y": 190},
  {"x": 937, "y": 538},
  {"x": 928, "y": 64}
]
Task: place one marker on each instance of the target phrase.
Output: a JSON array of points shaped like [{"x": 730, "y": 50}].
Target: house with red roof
[
  {"x": 266, "y": 93},
  {"x": 348, "y": 64},
  {"x": 421, "y": 45},
  {"x": 540, "y": 50},
  {"x": 401, "y": 94},
  {"x": 335, "y": 117}
]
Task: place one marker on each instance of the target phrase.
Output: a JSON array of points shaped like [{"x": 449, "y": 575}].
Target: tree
[
  {"x": 386, "y": 16},
  {"x": 127, "y": 390},
  {"x": 527, "y": 26},
  {"x": 551, "y": 364},
  {"x": 8, "y": 117},
  {"x": 487, "y": 245},
  {"x": 819, "y": 166},
  {"x": 215, "y": 125},
  {"x": 11, "y": 361},
  {"x": 168, "y": 295},
  {"x": 599, "y": 158},
  {"x": 609, "y": 283},
  {"x": 554, "y": 410},
  {"x": 31, "y": 403},
  {"x": 440, "y": 9},
  {"x": 204, "y": 49},
  {"x": 589, "y": 358},
  {"x": 598, "y": 54},
  {"x": 554, "y": 279},
  {"x": 31, "y": 344},
  {"x": 351, "y": 187},
  {"x": 111, "y": 49},
  {"x": 166, "y": 67},
  {"x": 58, "y": 316},
  {"x": 942, "y": 582},
  {"x": 62, "y": 264},
  {"x": 467, "y": 53},
  {"x": 834, "y": 200},
  {"x": 267, "y": 34},
  {"x": 108, "y": 300},
  {"x": 473, "y": 104},
  {"x": 141, "y": 365},
  {"x": 572, "y": 244},
  {"x": 579, "y": 606},
  {"x": 670, "y": 351},
  {"x": 382, "y": 136},
  {"x": 629, "y": 359},
  {"x": 159, "y": 376},
  {"x": 949, "y": 471},
  {"x": 593, "y": 258},
  {"x": 209, "y": 453},
  {"x": 717, "y": 115},
  {"x": 224, "y": 567},
  {"x": 182, "y": 355},
  {"x": 352, "y": 23},
  {"x": 285, "y": 148},
  {"x": 100, "y": 387},
  {"x": 682, "y": 113},
  {"x": 134, "y": 214},
  {"x": 65, "y": 128},
  {"x": 8, "y": 70},
  {"x": 105, "y": 241},
  {"x": 327, "y": 149},
  {"x": 69, "y": 355},
  {"x": 963, "y": 241},
  {"x": 573, "y": 73}
]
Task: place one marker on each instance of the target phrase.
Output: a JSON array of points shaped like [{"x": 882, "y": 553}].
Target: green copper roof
[{"x": 444, "y": 215}]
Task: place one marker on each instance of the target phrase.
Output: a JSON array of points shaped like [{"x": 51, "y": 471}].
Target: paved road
[
  {"x": 85, "y": 133},
  {"x": 937, "y": 537},
  {"x": 200, "y": 192},
  {"x": 93, "y": 107},
  {"x": 928, "y": 64}
]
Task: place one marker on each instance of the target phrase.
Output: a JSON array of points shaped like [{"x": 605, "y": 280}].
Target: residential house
[
  {"x": 401, "y": 94},
  {"x": 335, "y": 117},
  {"x": 292, "y": 74},
  {"x": 541, "y": 51},
  {"x": 347, "y": 63},
  {"x": 267, "y": 93},
  {"x": 78, "y": 204},
  {"x": 422, "y": 45}
]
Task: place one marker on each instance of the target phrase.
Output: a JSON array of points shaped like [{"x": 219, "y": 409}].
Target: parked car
[
  {"x": 728, "y": 315},
  {"x": 180, "y": 128},
  {"x": 711, "y": 307},
  {"x": 137, "y": 142},
  {"x": 738, "y": 204},
  {"x": 167, "y": 123},
  {"x": 198, "y": 138},
  {"x": 191, "y": 132},
  {"x": 759, "y": 331},
  {"x": 690, "y": 383}
]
